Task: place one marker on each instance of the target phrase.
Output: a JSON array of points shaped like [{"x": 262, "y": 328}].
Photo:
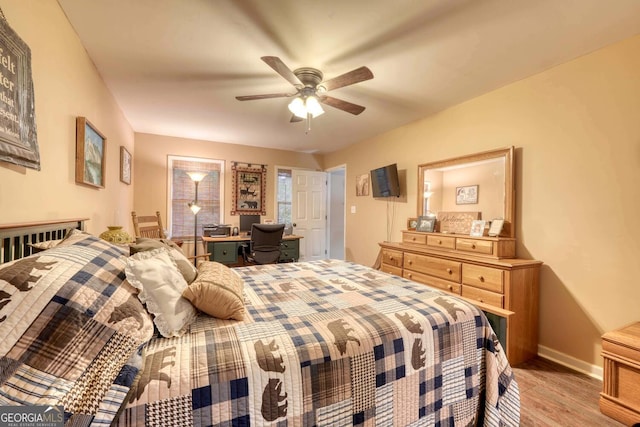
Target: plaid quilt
[
  {"x": 329, "y": 343},
  {"x": 70, "y": 330}
]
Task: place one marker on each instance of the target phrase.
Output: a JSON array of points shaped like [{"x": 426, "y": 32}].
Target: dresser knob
[
  {"x": 450, "y": 287},
  {"x": 413, "y": 238},
  {"x": 224, "y": 252},
  {"x": 473, "y": 246},
  {"x": 391, "y": 258},
  {"x": 449, "y": 271},
  {"x": 410, "y": 262},
  {"x": 409, "y": 275},
  {"x": 439, "y": 242},
  {"x": 481, "y": 278},
  {"x": 480, "y": 299}
]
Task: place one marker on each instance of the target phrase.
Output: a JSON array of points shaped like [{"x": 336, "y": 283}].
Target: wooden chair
[{"x": 148, "y": 226}]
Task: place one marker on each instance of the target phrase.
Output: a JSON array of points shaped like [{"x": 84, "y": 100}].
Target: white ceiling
[{"x": 175, "y": 66}]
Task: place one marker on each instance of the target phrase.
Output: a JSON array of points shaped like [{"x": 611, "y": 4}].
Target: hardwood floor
[{"x": 552, "y": 395}]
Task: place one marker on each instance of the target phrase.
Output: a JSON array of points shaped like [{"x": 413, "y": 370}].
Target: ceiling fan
[{"x": 311, "y": 89}]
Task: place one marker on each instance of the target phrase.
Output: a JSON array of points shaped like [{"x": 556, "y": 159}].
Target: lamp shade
[
  {"x": 194, "y": 208},
  {"x": 197, "y": 176},
  {"x": 313, "y": 106},
  {"x": 297, "y": 108}
]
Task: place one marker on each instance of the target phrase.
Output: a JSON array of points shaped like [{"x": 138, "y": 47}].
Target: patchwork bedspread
[
  {"x": 329, "y": 343},
  {"x": 71, "y": 328}
]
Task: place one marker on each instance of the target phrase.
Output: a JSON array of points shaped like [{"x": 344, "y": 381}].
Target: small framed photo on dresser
[
  {"x": 477, "y": 228},
  {"x": 426, "y": 223},
  {"x": 496, "y": 227}
]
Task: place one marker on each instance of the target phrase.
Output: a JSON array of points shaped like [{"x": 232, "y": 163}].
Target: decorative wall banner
[
  {"x": 249, "y": 185},
  {"x": 18, "y": 136}
]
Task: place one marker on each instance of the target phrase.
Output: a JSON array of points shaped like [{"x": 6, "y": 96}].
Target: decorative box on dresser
[{"x": 482, "y": 270}]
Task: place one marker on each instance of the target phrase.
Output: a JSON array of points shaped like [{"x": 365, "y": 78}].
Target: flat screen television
[{"x": 384, "y": 181}]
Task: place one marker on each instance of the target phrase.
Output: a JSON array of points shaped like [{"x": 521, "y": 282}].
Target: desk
[{"x": 225, "y": 249}]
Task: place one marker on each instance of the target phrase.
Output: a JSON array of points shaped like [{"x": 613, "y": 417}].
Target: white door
[{"x": 309, "y": 212}]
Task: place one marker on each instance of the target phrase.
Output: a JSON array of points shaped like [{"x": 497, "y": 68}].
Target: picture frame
[
  {"x": 125, "y": 165},
  {"x": 249, "y": 185},
  {"x": 18, "y": 132},
  {"x": 412, "y": 223},
  {"x": 477, "y": 228},
  {"x": 496, "y": 227},
  {"x": 362, "y": 185},
  {"x": 426, "y": 223},
  {"x": 467, "y": 195},
  {"x": 91, "y": 150}
]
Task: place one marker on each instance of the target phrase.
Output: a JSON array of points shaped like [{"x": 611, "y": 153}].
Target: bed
[{"x": 323, "y": 343}]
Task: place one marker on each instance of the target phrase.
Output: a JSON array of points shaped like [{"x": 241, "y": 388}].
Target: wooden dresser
[
  {"x": 620, "y": 397},
  {"x": 483, "y": 271}
]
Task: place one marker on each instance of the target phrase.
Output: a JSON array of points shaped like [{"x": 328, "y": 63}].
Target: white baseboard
[{"x": 593, "y": 371}]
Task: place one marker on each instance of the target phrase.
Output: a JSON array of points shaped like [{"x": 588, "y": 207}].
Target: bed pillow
[
  {"x": 160, "y": 283},
  {"x": 186, "y": 267},
  {"x": 43, "y": 246},
  {"x": 217, "y": 291}
]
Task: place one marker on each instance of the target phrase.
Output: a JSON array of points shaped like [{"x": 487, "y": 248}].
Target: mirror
[{"x": 482, "y": 182}]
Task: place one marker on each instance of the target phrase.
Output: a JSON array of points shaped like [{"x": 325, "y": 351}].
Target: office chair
[{"x": 264, "y": 247}]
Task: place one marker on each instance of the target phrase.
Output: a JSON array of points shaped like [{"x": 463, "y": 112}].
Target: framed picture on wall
[
  {"x": 91, "y": 149},
  {"x": 125, "y": 165},
  {"x": 467, "y": 195}
]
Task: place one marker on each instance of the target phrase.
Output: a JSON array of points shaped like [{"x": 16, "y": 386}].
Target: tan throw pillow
[
  {"x": 217, "y": 291},
  {"x": 161, "y": 285},
  {"x": 186, "y": 267}
]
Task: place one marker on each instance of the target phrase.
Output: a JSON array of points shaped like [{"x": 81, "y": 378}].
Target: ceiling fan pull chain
[{"x": 308, "y": 123}]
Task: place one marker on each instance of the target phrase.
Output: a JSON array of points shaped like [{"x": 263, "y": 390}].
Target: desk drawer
[
  {"x": 224, "y": 252},
  {"x": 289, "y": 250}
]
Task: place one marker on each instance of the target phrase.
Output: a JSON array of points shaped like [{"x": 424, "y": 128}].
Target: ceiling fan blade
[
  {"x": 280, "y": 68},
  {"x": 340, "y": 104},
  {"x": 295, "y": 119},
  {"x": 266, "y": 96},
  {"x": 354, "y": 76}
]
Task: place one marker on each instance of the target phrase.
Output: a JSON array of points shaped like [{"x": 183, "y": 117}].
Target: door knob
[{"x": 294, "y": 224}]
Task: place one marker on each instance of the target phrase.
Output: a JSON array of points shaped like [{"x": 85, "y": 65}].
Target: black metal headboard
[{"x": 15, "y": 239}]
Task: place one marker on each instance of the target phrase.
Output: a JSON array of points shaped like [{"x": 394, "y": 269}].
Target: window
[
  {"x": 182, "y": 191},
  {"x": 284, "y": 196}
]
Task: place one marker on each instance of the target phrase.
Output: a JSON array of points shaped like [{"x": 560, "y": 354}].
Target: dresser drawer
[
  {"x": 445, "y": 242},
  {"x": 414, "y": 238},
  {"x": 491, "y": 279},
  {"x": 443, "y": 268},
  {"x": 391, "y": 269},
  {"x": 435, "y": 282},
  {"x": 392, "y": 257},
  {"x": 484, "y": 247},
  {"x": 487, "y": 297}
]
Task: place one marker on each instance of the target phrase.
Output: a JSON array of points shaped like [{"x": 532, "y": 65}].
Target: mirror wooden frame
[{"x": 508, "y": 230}]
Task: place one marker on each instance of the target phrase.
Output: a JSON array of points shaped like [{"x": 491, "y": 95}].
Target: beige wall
[
  {"x": 150, "y": 168},
  {"x": 577, "y": 136},
  {"x": 66, "y": 85}
]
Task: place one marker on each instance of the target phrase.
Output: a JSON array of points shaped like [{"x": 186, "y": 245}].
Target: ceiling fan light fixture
[
  {"x": 309, "y": 105},
  {"x": 313, "y": 106},
  {"x": 298, "y": 108}
]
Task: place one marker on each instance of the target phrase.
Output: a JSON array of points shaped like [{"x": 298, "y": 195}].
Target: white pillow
[{"x": 160, "y": 283}]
